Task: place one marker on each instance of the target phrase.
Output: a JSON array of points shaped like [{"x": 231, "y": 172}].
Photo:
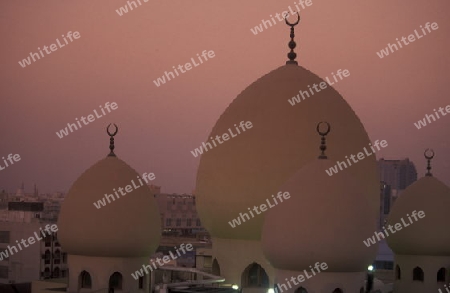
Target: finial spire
[
  {"x": 292, "y": 55},
  {"x": 429, "y": 158},
  {"x": 111, "y": 140},
  {"x": 323, "y": 146}
]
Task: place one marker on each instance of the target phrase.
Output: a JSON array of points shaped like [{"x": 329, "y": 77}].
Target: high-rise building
[{"x": 398, "y": 174}]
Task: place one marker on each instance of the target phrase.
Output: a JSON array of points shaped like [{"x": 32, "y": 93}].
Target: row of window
[
  {"x": 5, "y": 238},
  {"x": 115, "y": 281},
  {"x": 57, "y": 273},
  {"x": 178, "y": 222},
  {"x": 418, "y": 274}
]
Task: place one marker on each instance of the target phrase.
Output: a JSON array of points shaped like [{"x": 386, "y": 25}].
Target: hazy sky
[{"x": 117, "y": 58}]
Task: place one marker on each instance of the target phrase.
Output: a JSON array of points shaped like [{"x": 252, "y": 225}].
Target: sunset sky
[{"x": 117, "y": 58}]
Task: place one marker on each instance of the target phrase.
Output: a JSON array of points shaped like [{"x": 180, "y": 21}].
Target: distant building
[
  {"x": 179, "y": 215},
  {"x": 398, "y": 174},
  {"x": 41, "y": 260}
]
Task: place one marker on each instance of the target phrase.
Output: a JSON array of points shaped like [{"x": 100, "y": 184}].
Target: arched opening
[
  {"x": 84, "y": 280},
  {"x": 47, "y": 257},
  {"x": 115, "y": 281},
  {"x": 215, "y": 268},
  {"x": 254, "y": 276},
  {"x": 141, "y": 283},
  {"x": 46, "y": 273},
  {"x": 300, "y": 290},
  {"x": 56, "y": 272},
  {"x": 398, "y": 273},
  {"x": 338, "y": 290},
  {"x": 441, "y": 275},
  {"x": 418, "y": 274}
]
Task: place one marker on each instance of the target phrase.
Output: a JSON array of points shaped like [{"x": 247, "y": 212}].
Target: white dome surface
[
  {"x": 428, "y": 235},
  {"x": 326, "y": 219},
  {"x": 129, "y": 226},
  {"x": 247, "y": 169}
]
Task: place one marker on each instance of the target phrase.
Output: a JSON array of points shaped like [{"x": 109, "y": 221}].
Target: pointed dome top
[
  {"x": 247, "y": 169},
  {"x": 421, "y": 235},
  {"x": 126, "y": 226},
  {"x": 322, "y": 210}
]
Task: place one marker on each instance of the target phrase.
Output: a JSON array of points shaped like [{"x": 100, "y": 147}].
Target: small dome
[
  {"x": 245, "y": 170},
  {"x": 129, "y": 226},
  {"x": 428, "y": 235},
  {"x": 325, "y": 219}
]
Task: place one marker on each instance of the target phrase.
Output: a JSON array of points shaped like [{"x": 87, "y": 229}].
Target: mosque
[{"x": 317, "y": 233}]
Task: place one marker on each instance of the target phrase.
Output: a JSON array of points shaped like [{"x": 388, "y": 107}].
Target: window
[
  {"x": 115, "y": 281},
  {"x": 4, "y": 236},
  {"x": 441, "y": 275},
  {"x": 56, "y": 272},
  {"x": 4, "y": 272},
  {"x": 168, "y": 222},
  {"x": 178, "y": 222},
  {"x": 198, "y": 223},
  {"x": 141, "y": 282},
  {"x": 85, "y": 280},
  {"x": 189, "y": 222},
  {"x": 418, "y": 274},
  {"x": 398, "y": 273},
  {"x": 254, "y": 276}
]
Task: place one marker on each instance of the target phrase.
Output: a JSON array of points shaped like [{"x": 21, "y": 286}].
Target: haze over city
[{"x": 116, "y": 58}]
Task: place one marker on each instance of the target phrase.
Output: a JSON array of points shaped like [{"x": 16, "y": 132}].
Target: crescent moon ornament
[
  {"x": 109, "y": 133},
  {"x": 323, "y": 145},
  {"x": 429, "y": 157},
  {"x": 328, "y": 128},
  {"x": 111, "y": 139},
  {"x": 292, "y": 24}
]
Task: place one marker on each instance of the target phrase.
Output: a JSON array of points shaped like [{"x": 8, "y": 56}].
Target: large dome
[
  {"x": 129, "y": 226},
  {"x": 247, "y": 169},
  {"x": 325, "y": 219},
  {"x": 428, "y": 235}
]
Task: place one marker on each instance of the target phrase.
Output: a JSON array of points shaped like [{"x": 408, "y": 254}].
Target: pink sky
[{"x": 118, "y": 57}]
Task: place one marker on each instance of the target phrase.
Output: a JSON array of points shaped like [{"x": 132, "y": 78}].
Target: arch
[
  {"x": 56, "y": 272},
  {"x": 46, "y": 273},
  {"x": 418, "y": 274},
  {"x": 141, "y": 282},
  {"x": 398, "y": 273},
  {"x": 440, "y": 277},
  {"x": 254, "y": 276},
  {"x": 300, "y": 290},
  {"x": 338, "y": 290},
  {"x": 115, "y": 281},
  {"x": 215, "y": 267},
  {"x": 84, "y": 280}
]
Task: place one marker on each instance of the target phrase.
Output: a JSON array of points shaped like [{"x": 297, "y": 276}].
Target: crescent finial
[
  {"x": 429, "y": 157},
  {"x": 111, "y": 139},
  {"x": 292, "y": 55},
  {"x": 291, "y": 24},
  {"x": 323, "y": 146},
  {"x": 115, "y": 132}
]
